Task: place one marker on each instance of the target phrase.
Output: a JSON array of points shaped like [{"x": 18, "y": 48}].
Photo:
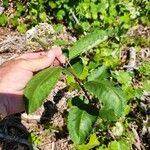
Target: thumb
[{"x": 38, "y": 64}]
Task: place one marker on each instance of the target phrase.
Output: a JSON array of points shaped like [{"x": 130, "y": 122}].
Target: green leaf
[
  {"x": 20, "y": 8},
  {"x": 88, "y": 42},
  {"x": 103, "y": 147},
  {"x": 39, "y": 87},
  {"x": 13, "y": 21},
  {"x": 146, "y": 85},
  {"x": 85, "y": 25},
  {"x": 84, "y": 73},
  {"x": 123, "y": 77},
  {"x": 22, "y": 27},
  {"x": 58, "y": 27},
  {"x": 60, "y": 14},
  {"x": 144, "y": 69},
  {"x": 5, "y": 3},
  {"x": 99, "y": 74},
  {"x": 3, "y": 20},
  {"x": 77, "y": 66},
  {"x": 93, "y": 142},
  {"x": 111, "y": 96},
  {"x": 119, "y": 145},
  {"x": 52, "y": 4},
  {"x": 80, "y": 121},
  {"x": 43, "y": 16}
]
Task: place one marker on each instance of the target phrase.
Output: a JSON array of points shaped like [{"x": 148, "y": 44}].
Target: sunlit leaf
[
  {"x": 99, "y": 73},
  {"x": 3, "y": 20},
  {"x": 93, "y": 142},
  {"x": 80, "y": 121},
  {"x": 88, "y": 42},
  {"x": 119, "y": 145},
  {"x": 22, "y": 27},
  {"x": 39, "y": 87},
  {"x": 111, "y": 96}
]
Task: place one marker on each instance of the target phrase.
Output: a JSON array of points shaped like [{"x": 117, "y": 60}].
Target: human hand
[{"x": 15, "y": 74}]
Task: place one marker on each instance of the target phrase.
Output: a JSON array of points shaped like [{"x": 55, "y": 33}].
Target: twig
[
  {"x": 43, "y": 44},
  {"x": 137, "y": 142},
  {"x": 76, "y": 19},
  {"x": 132, "y": 59},
  {"x": 78, "y": 81},
  {"x": 53, "y": 146}
]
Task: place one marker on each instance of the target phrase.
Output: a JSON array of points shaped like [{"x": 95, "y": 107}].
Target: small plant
[
  {"x": 35, "y": 139},
  {"x": 102, "y": 97}
]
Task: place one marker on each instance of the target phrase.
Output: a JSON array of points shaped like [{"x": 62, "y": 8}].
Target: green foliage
[
  {"x": 80, "y": 121},
  {"x": 119, "y": 145},
  {"x": 3, "y": 20},
  {"x": 123, "y": 77},
  {"x": 146, "y": 85},
  {"x": 107, "y": 54},
  {"x": 96, "y": 73},
  {"x": 99, "y": 73},
  {"x": 39, "y": 87},
  {"x": 77, "y": 66},
  {"x": 145, "y": 68},
  {"x": 84, "y": 15},
  {"x": 112, "y": 97},
  {"x": 22, "y": 28},
  {"x": 93, "y": 142},
  {"x": 5, "y": 3},
  {"x": 87, "y": 42},
  {"x": 35, "y": 139}
]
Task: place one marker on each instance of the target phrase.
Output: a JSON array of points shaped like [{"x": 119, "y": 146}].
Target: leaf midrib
[
  {"x": 107, "y": 87},
  {"x": 42, "y": 81}
]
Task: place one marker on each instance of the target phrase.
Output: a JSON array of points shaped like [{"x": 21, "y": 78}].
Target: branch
[
  {"x": 76, "y": 19},
  {"x": 78, "y": 81},
  {"x": 132, "y": 59}
]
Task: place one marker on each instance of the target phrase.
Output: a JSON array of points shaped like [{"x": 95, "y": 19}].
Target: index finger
[{"x": 32, "y": 55}]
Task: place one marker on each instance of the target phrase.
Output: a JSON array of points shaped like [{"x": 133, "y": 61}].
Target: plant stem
[{"x": 80, "y": 83}]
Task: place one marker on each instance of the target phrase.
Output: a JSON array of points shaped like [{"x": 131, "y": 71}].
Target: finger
[
  {"x": 61, "y": 59},
  {"x": 55, "y": 63},
  {"x": 56, "y": 50},
  {"x": 32, "y": 55},
  {"x": 38, "y": 64}
]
